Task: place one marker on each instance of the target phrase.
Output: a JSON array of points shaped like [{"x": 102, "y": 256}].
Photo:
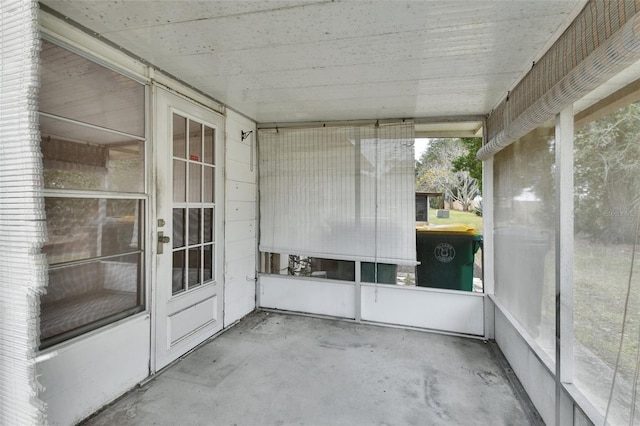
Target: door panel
[
  {"x": 182, "y": 323},
  {"x": 189, "y": 285}
]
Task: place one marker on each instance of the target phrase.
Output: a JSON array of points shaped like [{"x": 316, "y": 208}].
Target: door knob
[{"x": 162, "y": 240}]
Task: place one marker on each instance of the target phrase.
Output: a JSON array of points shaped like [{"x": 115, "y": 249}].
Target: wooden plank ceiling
[{"x": 284, "y": 61}]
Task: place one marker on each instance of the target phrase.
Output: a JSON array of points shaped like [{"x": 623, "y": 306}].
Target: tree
[
  {"x": 435, "y": 172},
  {"x": 607, "y": 175},
  {"x": 465, "y": 189},
  {"x": 435, "y": 166},
  {"x": 469, "y": 161}
]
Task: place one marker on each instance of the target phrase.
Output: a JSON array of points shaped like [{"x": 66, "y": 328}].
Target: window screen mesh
[{"x": 339, "y": 192}]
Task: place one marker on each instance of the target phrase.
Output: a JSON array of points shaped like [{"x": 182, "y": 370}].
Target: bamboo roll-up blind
[
  {"x": 603, "y": 40},
  {"x": 339, "y": 192}
]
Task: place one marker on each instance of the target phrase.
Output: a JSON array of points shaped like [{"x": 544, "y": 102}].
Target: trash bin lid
[{"x": 449, "y": 228}]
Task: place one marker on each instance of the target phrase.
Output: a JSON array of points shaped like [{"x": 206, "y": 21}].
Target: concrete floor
[{"x": 279, "y": 369}]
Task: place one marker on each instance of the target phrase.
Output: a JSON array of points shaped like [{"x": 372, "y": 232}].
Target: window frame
[{"x": 133, "y": 71}]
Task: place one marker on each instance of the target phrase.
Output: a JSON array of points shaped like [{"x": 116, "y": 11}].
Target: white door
[{"x": 188, "y": 294}]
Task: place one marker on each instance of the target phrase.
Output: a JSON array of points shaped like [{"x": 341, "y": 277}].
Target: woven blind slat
[
  {"x": 602, "y": 41},
  {"x": 339, "y": 192}
]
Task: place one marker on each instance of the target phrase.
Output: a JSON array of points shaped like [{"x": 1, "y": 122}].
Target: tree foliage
[
  {"x": 434, "y": 169},
  {"x": 607, "y": 175},
  {"x": 435, "y": 172},
  {"x": 469, "y": 161}
]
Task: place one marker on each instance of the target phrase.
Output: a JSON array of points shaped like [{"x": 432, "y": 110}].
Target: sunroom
[{"x": 167, "y": 168}]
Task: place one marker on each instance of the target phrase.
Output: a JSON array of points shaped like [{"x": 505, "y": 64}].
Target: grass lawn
[
  {"x": 601, "y": 275},
  {"x": 457, "y": 217}
]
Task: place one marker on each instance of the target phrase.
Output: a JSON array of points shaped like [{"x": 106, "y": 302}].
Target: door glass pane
[
  {"x": 208, "y": 225},
  {"x": 179, "y": 181},
  {"x": 208, "y": 263},
  {"x": 179, "y": 138},
  {"x": 209, "y": 143},
  {"x": 195, "y": 182},
  {"x": 195, "y": 141},
  {"x": 208, "y": 184},
  {"x": 178, "y": 227},
  {"x": 177, "y": 280},
  {"x": 194, "y": 226},
  {"x": 194, "y": 267}
]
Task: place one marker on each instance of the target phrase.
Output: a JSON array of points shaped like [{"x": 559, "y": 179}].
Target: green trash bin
[{"x": 446, "y": 254}]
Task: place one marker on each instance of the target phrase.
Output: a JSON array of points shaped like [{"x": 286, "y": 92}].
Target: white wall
[
  {"x": 240, "y": 216},
  {"x": 536, "y": 379},
  {"x": 435, "y": 309},
  {"x": 534, "y": 370},
  {"x": 308, "y": 295},
  {"x": 82, "y": 375},
  {"x": 86, "y": 373}
]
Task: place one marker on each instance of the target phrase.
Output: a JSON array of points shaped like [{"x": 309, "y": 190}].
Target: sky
[{"x": 421, "y": 147}]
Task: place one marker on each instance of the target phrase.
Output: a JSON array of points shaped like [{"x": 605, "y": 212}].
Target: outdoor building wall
[{"x": 241, "y": 226}]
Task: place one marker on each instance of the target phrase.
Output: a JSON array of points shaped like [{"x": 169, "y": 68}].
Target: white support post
[
  {"x": 564, "y": 261},
  {"x": 358, "y": 291},
  {"x": 487, "y": 227},
  {"x": 488, "y": 258},
  {"x": 283, "y": 263},
  {"x": 358, "y": 212}
]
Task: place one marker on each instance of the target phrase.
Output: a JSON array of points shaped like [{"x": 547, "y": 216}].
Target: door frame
[{"x": 158, "y": 91}]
